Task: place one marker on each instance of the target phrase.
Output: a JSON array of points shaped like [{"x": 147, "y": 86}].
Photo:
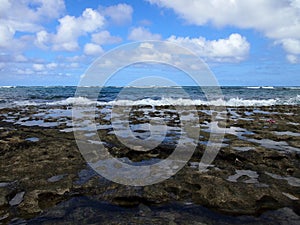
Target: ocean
[{"x": 11, "y": 96}]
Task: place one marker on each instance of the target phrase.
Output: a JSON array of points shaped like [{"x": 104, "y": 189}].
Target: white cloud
[
  {"x": 90, "y": 22},
  {"x": 51, "y": 66},
  {"x": 141, "y": 34},
  {"x": 25, "y": 71},
  {"x": 235, "y": 48},
  {"x": 9, "y": 44},
  {"x": 42, "y": 39},
  {"x": 278, "y": 20},
  {"x": 293, "y": 59},
  {"x": 74, "y": 59},
  {"x": 20, "y": 58},
  {"x": 26, "y": 15},
  {"x": 38, "y": 67},
  {"x": 92, "y": 49},
  {"x": 264, "y": 15},
  {"x": 104, "y": 37},
  {"x": 291, "y": 45},
  {"x": 30, "y": 19},
  {"x": 50, "y": 9},
  {"x": 6, "y": 35},
  {"x": 4, "y": 6},
  {"x": 119, "y": 14},
  {"x": 9, "y": 58},
  {"x": 71, "y": 28},
  {"x": 146, "y": 45}
]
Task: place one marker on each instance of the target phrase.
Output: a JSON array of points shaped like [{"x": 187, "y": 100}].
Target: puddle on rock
[
  {"x": 17, "y": 199},
  {"x": 277, "y": 145},
  {"x": 32, "y": 139},
  {"x": 293, "y": 181},
  {"x": 252, "y": 176},
  {"x": 289, "y": 133},
  {"x": 243, "y": 149},
  {"x": 56, "y": 178},
  {"x": 4, "y": 184}
]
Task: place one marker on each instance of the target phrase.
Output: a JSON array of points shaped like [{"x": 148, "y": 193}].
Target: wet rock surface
[{"x": 254, "y": 179}]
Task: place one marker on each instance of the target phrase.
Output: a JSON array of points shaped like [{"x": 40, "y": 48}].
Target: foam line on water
[{"x": 169, "y": 101}]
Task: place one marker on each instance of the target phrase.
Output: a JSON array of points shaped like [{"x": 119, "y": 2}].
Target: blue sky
[{"x": 252, "y": 43}]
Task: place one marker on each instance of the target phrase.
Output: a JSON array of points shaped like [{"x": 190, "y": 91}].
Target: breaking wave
[{"x": 170, "y": 101}]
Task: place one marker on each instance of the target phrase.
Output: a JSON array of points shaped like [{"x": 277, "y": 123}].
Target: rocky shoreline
[{"x": 255, "y": 176}]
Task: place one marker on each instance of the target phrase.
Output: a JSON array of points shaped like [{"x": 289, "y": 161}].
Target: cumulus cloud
[
  {"x": 235, "y": 48},
  {"x": 104, "y": 37},
  {"x": 20, "y": 58},
  {"x": 8, "y": 58},
  {"x": 29, "y": 20},
  {"x": 71, "y": 28},
  {"x": 4, "y": 6},
  {"x": 25, "y": 16},
  {"x": 93, "y": 49},
  {"x": 24, "y": 71},
  {"x": 42, "y": 39},
  {"x": 90, "y": 22},
  {"x": 278, "y": 20},
  {"x": 19, "y": 21},
  {"x": 141, "y": 33},
  {"x": 119, "y": 14},
  {"x": 38, "y": 67},
  {"x": 291, "y": 45},
  {"x": 6, "y": 35},
  {"x": 51, "y": 66}
]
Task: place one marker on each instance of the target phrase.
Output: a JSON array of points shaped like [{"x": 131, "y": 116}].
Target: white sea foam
[
  {"x": 261, "y": 87},
  {"x": 68, "y": 101},
  {"x": 293, "y": 101},
  {"x": 292, "y": 88},
  {"x": 25, "y": 103},
  {"x": 7, "y": 86},
  {"x": 254, "y": 87},
  {"x": 168, "y": 101},
  {"x": 72, "y": 101},
  {"x": 218, "y": 102},
  {"x": 267, "y": 87}
]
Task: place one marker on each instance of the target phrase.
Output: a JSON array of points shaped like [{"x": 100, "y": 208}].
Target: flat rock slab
[
  {"x": 17, "y": 199},
  {"x": 56, "y": 178}
]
